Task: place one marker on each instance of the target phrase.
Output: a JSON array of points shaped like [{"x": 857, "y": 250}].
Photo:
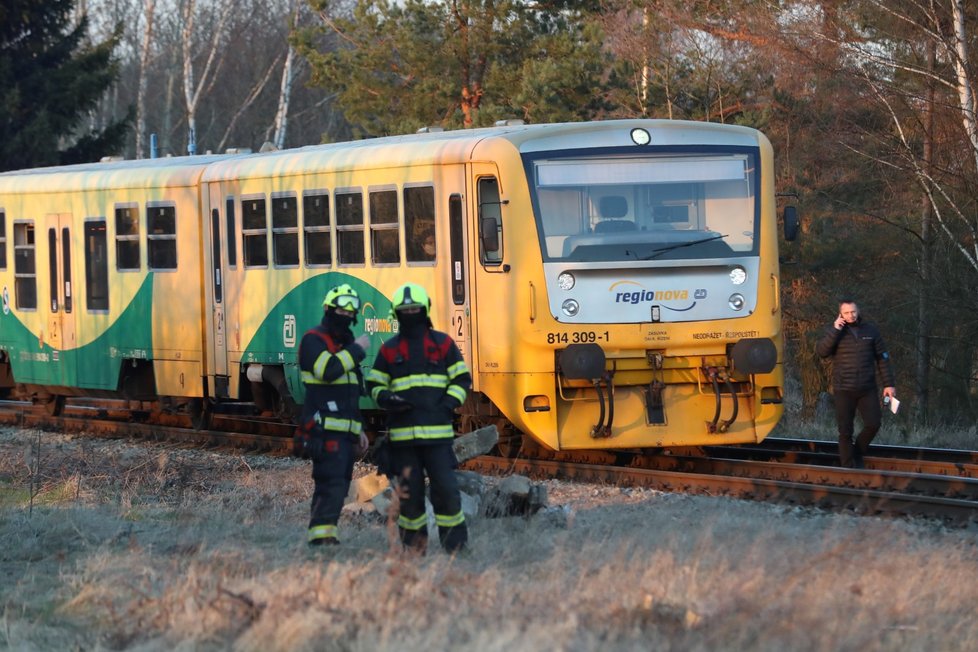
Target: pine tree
[
  {"x": 397, "y": 66},
  {"x": 50, "y": 81}
]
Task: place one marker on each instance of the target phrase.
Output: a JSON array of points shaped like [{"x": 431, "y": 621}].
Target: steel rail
[
  {"x": 948, "y": 494},
  {"x": 862, "y": 501}
]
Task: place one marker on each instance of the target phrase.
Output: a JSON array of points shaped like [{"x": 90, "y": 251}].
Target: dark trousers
[
  {"x": 867, "y": 404},
  {"x": 332, "y": 472},
  {"x": 410, "y": 464}
]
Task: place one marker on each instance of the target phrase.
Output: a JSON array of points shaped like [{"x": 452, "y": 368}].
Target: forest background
[{"x": 869, "y": 105}]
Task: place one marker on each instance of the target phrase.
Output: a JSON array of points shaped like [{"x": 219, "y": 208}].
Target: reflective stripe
[
  {"x": 349, "y": 378},
  {"x": 457, "y": 369},
  {"x": 342, "y": 425},
  {"x": 414, "y": 524},
  {"x": 450, "y": 521},
  {"x": 419, "y": 380},
  {"x": 376, "y": 390},
  {"x": 344, "y": 356},
  {"x": 422, "y": 432},
  {"x": 456, "y": 392},
  {"x": 375, "y": 376},
  {"x": 323, "y": 532}
]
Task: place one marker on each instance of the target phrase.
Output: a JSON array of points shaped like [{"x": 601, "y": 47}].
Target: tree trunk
[
  {"x": 923, "y": 297},
  {"x": 285, "y": 92},
  {"x": 150, "y": 11}
]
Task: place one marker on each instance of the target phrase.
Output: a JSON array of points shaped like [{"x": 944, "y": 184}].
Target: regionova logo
[
  {"x": 374, "y": 323},
  {"x": 634, "y": 293}
]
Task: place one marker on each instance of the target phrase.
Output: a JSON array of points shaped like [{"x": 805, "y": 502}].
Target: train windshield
[{"x": 652, "y": 207}]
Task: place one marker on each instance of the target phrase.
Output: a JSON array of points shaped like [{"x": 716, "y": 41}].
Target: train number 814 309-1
[{"x": 577, "y": 337}]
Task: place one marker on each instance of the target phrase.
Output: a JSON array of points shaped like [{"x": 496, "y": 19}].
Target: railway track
[{"x": 936, "y": 483}]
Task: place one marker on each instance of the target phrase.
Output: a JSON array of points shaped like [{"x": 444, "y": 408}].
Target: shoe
[
  {"x": 325, "y": 541},
  {"x": 857, "y": 459}
]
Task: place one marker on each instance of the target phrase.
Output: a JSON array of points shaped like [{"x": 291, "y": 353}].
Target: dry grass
[{"x": 150, "y": 548}]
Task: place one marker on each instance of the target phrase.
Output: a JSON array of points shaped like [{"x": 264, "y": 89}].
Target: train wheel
[
  {"x": 200, "y": 413},
  {"x": 55, "y": 405},
  {"x": 510, "y": 440}
]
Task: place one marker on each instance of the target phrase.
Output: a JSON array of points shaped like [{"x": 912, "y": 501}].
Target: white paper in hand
[{"x": 894, "y": 404}]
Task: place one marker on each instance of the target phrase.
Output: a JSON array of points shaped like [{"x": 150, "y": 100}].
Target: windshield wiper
[{"x": 661, "y": 250}]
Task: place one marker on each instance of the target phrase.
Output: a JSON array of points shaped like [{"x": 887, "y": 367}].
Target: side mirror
[
  {"x": 791, "y": 223},
  {"x": 489, "y": 234}
]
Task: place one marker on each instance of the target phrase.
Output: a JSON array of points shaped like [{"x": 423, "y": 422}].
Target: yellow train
[{"x": 611, "y": 284}]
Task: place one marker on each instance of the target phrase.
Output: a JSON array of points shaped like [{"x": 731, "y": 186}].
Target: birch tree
[
  {"x": 195, "y": 86},
  {"x": 285, "y": 88},
  {"x": 145, "y": 48}
]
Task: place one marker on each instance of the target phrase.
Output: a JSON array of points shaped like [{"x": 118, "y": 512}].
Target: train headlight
[
  {"x": 570, "y": 307},
  {"x": 738, "y": 275},
  {"x": 737, "y": 302},
  {"x": 640, "y": 136},
  {"x": 565, "y": 281}
]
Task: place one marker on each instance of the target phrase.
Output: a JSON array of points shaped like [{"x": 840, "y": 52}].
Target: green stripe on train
[
  {"x": 277, "y": 340},
  {"x": 92, "y": 366}
]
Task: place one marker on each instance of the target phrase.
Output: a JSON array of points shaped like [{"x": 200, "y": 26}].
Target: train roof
[
  {"x": 407, "y": 150},
  {"x": 171, "y": 171},
  {"x": 467, "y": 144}
]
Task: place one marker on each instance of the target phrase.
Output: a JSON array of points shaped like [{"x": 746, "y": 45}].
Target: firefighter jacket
[
  {"x": 329, "y": 365},
  {"x": 427, "y": 371},
  {"x": 857, "y": 352}
]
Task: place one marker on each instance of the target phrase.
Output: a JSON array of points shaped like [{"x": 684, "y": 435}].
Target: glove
[
  {"x": 447, "y": 406},
  {"x": 300, "y": 445},
  {"x": 381, "y": 455},
  {"x": 392, "y": 402},
  {"x": 307, "y": 447},
  {"x": 363, "y": 341}
]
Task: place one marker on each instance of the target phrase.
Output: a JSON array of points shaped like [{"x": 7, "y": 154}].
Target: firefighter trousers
[
  {"x": 410, "y": 464},
  {"x": 332, "y": 472}
]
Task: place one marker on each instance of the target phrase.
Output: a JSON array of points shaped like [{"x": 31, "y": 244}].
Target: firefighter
[
  {"x": 331, "y": 427},
  {"x": 419, "y": 377}
]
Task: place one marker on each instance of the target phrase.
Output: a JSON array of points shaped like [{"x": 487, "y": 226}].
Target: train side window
[
  {"x": 96, "y": 266},
  {"x": 254, "y": 231},
  {"x": 349, "y": 228},
  {"x": 490, "y": 222},
  {"x": 384, "y": 228},
  {"x": 216, "y": 256},
  {"x": 127, "y": 237},
  {"x": 53, "y": 267},
  {"x": 315, "y": 227},
  {"x": 25, "y": 271},
  {"x": 66, "y": 265},
  {"x": 161, "y": 236},
  {"x": 419, "y": 223},
  {"x": 285, "y": 230},
  {"x": 456, "y": 233},
  {"x": 232, "y": 234},
  {"x": 3, "y": 240}
]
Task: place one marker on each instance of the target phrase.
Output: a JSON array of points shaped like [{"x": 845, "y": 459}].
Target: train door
[
  {"x": 490, "y": 287},
  {"x": 60, "y": 333},
  {"x": 217, "y": 273}
]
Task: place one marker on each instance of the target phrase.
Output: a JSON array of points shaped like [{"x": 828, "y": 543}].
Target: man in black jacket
[
  {"x": 331, "y": 427},
  {"x": 858, "y": 353},
  {"x": 420, "y": 378}
]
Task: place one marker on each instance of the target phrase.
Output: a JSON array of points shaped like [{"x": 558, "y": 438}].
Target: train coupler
[
  {"x": 603, "y": 428},
  {"x": 717, "y": 376},
  {"x": 654, "y": 407}
]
